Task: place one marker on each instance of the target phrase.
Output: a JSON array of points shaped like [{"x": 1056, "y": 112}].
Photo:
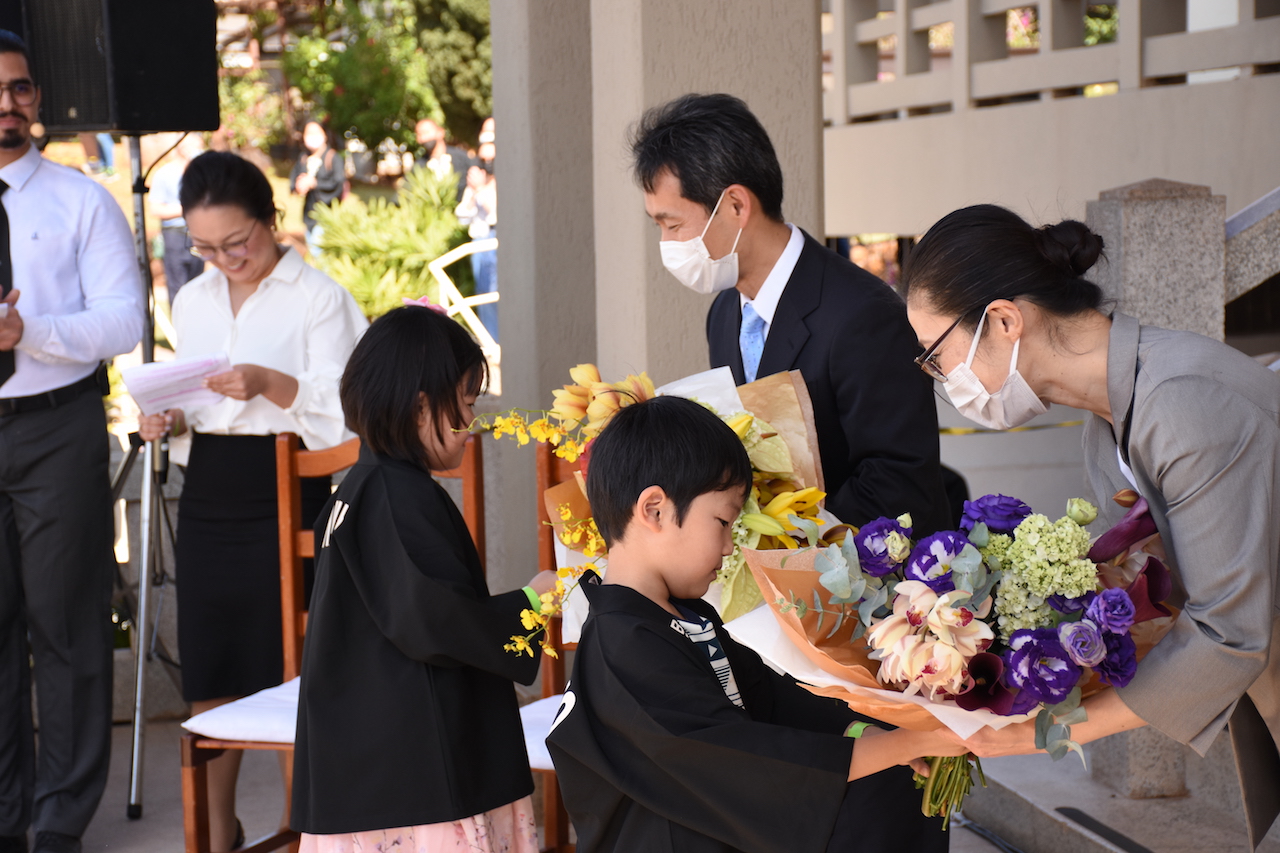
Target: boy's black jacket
[
  {"x": 652, "y": 756},
  {"x": 407, "y": 714}
]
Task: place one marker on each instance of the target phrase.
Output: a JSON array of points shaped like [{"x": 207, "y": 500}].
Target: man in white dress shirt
[{"x": 72, "y": 297}]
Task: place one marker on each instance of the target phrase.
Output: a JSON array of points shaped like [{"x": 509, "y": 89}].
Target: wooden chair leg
[
  {"x": 195, "y": 794},
  {"x": 554, "y": 816}
]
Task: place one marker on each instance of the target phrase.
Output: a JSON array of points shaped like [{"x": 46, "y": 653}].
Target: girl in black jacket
[{"x": 408, "y": 728}]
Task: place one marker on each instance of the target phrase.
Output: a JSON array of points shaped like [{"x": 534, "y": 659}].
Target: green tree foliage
[
  {"x": 252, "y": 113},
  {"x": 1100, "y": 22},
  {"x": 375, "y": 67},
  {"x": 380, "y": 250},
  {"x": 454, "y": 38}
]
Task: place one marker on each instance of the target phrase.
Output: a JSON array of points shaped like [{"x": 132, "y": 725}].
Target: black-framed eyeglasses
[
  {"x": 23, "y": 92},
  {"x": 928, "y": 360},
  {"x": 238, "y": 249}
]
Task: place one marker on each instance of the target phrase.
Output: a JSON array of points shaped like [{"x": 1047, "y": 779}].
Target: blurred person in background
[
  {"x": 180, "y": 265},
  {"x": 478, "y": 210},
  {"x": 319, "y": 175}
]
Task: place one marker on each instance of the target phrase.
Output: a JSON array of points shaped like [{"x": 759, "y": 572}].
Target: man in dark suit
[{"x": 713, "y": 185}]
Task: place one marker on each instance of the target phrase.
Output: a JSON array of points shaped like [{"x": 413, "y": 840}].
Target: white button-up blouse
[{"x": 299, "y": 322}]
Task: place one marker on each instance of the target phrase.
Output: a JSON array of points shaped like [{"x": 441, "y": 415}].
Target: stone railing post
[{"x": 1165, "y": 251}]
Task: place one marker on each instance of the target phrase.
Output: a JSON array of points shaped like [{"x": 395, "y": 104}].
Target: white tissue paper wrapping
[{"x": 760, "y": 631}]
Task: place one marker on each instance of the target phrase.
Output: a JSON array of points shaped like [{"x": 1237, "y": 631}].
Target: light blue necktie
[{"x": 751, "y": 341}]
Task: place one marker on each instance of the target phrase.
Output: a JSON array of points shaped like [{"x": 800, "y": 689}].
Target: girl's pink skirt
[{"x": 507, "y": 829}]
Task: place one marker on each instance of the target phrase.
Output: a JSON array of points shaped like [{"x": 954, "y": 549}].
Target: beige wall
[
  {"x": 546, "y": 254},
  {"x": 645, "y": 52},
  {"x": 1045, "y": 159}
]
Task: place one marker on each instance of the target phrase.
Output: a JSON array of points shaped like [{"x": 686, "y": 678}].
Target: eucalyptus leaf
[
  {"x": 1068, "y": 704},
  {"x": 859, "y": 630},
  {"x": 1043, "y": 721},
  {"x": 856, "y": 590},
  {"x": 980, "y": 535},
  {"x": 836, "y": 578},
  {"x": 817, "y": 606},
  {"x": 806, "y": 526},
  {"x": 850, "y": 552},
  {"x": 1078, "y": 715},
  {"x": 839, "y": 620}
]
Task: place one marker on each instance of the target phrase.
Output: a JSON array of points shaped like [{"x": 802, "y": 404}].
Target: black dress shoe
[
  {"x": 48, "y": 841},
  {"x": 13, "y": 843}
]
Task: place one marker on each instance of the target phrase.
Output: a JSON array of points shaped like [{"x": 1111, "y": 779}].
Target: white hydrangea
[
  {"x": 1018, "y": 607},
  {"x": 1049, "y": 557},
  {"x": 1043, "y": 558}
]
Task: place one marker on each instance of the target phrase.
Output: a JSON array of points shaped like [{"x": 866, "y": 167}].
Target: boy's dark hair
[
  {"x": 221, "y": 178},
  {"x": 669, "y": 442},
  {"x": 405, "y": 352},
  {"x": 11, "y": 42},
  {"x": 708, "y": 142}
]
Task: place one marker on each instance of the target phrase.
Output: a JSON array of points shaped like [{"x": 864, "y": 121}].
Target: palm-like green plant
[{"x": 380, "y": 250}]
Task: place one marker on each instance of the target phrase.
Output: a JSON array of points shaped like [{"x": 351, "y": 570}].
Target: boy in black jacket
[{"x": 672, "y": 736}]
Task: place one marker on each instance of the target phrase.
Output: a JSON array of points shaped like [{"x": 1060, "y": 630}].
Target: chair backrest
[
  {"x": 552, "y": 470},
  {"x": 471, "y": 473},
  {"x": 298, "y": 542}
]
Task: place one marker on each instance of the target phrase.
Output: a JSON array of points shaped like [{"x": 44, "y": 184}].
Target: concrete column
[
  {"x": 1164, "y": 253},
  {"x": 645, "y": 52},
  {"x": 546, "y": 255}
]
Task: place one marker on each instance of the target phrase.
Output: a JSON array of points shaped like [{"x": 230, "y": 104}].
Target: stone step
[{"x": 1042, "y": 806}]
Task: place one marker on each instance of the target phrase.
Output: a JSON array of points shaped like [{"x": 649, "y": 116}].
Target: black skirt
[{"x": 228, "y": 566}]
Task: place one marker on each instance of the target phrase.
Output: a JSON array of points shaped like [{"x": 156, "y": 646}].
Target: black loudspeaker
[{"x": 135, "y": 66}]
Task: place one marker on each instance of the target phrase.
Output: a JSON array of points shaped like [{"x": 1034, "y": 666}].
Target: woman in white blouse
[{"x": 287, "y": 330}]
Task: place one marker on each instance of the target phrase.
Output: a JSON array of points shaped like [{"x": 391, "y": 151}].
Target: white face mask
[
  {"x": 692, "y": 265},
  {"x": 1013, "y": 404}
]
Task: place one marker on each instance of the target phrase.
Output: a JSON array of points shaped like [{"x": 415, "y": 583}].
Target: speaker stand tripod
[{"x": 155, "y": 469}]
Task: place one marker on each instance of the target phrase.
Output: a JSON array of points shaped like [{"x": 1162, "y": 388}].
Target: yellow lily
[
  {"x": 793, "y": 503},
  {"x": 763, "y": 524}
]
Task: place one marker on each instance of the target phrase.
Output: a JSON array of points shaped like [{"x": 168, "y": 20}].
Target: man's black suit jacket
[{"x": 847, "y": 333}]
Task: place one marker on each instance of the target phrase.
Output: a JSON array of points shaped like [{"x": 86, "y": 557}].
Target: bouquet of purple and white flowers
[{"x": 1010, "y": 614}]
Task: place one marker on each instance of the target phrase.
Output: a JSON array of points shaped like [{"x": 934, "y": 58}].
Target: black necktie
[{"x": 6, "y": 280}]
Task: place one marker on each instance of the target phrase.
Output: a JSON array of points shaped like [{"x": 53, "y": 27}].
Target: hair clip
[{"x": 425, "y": 302}]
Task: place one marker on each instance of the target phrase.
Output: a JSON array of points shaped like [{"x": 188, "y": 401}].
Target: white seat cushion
[
  {"x": 537, "y": 717},
  {"x": 269, "y": 716}
]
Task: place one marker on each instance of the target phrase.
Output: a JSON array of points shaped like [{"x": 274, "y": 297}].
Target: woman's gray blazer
[{"x": 1202, "y": 424}]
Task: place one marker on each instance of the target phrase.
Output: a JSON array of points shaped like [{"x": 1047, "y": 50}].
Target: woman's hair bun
[{"x": 1070, "y": 246}]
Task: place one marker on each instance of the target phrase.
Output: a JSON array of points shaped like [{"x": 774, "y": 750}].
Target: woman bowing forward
[{"x": 1010, "y": 324}]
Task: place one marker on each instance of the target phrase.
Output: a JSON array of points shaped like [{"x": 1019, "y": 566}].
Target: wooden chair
[
  {"x": 296, "y": 544},
  {"x": 552, "y": 470}
]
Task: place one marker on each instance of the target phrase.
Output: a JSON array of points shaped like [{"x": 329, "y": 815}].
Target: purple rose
[
  {"x": 1062, "y": 604},
  {"x": 1000, "y": 513},
  {"x": 1039, "y": 666},
  {"x": 1112, "y": 611},
  {"x": 1121, "y": 662},
  {"x": 1083, "y": 642},
  {"x": 880, "y": 544},
  {"x": 930, "y": 562}
]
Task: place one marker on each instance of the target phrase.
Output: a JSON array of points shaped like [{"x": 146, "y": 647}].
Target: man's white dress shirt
[
  {"x": 766, "y": 302},
  {"x": 73, "y": 260},
  {"x": 299, "y": 322}
]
